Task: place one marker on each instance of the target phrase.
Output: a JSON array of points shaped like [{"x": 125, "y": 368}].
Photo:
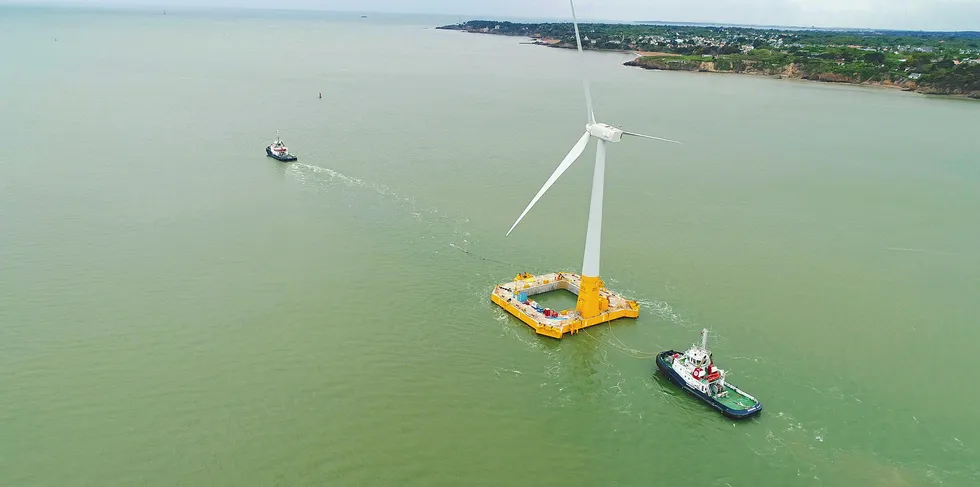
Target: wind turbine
[{"x": 588, "y": 305}]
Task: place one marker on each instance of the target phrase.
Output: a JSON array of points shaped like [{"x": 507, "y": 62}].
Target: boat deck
[
  {"x": 735, "y": 400},
  {"x": 515, "y": 298}
]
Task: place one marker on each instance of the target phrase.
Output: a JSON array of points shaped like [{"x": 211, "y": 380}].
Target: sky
[{"x": 893, "y": 14}]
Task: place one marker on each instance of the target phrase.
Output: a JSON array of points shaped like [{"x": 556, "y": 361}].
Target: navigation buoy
[{"x": 321, "y": 95}]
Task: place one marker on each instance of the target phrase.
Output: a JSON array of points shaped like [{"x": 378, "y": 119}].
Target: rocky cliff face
[
  {"x": 665, "y": 64},
  {"x": 681, "y": 64},
  {"x": 933, "y": 90},
  {"x": 791, "y": 71}
]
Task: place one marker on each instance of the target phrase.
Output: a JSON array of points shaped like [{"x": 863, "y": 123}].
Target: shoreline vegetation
[{"x": 935, "y": 63}]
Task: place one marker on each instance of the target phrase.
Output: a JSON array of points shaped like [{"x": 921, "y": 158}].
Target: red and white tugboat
[
  {"x": 278, "y": 151},
  {"x": 695, "y": 372}
]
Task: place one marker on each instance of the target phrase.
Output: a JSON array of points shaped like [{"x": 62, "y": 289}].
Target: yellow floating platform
[{"x": 515, "y": 298}]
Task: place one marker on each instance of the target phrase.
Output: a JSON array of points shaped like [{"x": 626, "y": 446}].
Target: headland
[{"x": 939, "y": 63}]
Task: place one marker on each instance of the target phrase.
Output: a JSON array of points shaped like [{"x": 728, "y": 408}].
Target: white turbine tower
[{"x": 588, "y": 298}]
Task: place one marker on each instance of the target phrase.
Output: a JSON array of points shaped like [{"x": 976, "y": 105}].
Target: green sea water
[{"x": 178, "y": 309}]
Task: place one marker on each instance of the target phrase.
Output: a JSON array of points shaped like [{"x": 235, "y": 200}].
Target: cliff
[{"x": 796, "y": 71}]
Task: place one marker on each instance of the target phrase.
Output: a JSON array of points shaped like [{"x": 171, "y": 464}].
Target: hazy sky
[{"x": 905, "y": 14}]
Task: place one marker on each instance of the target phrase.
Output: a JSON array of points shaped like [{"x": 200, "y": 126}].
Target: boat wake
[
  {"x": 322, "y": 177},
  {"x": 317, "y": 175},
  {"x": 920, "y": 251}
]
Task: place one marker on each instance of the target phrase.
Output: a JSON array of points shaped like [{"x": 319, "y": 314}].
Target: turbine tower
[{"x": 588, "y": 305}]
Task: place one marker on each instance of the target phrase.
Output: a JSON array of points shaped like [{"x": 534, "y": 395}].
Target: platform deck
[{"x": 507, "y": 296}]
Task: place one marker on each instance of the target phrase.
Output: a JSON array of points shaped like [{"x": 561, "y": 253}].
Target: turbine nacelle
[{"x": 604, "y": 131}]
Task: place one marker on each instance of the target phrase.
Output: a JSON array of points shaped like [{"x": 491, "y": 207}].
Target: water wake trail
[
  {"x": 920, "y": 251},
  {"x": 318, "y": 176}
]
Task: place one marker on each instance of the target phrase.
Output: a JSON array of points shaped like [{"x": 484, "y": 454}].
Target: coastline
[
  {"x": 790, "y": 72},
  {"x": 663, "y": 61}
]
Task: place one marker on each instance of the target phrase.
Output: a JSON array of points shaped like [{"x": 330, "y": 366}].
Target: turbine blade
[
  {"x": 651, "y": 137},
  {"x": 573, "y": 154},
  {"x": 588, "y": 100},
  {"x": 585, "y": 81}
]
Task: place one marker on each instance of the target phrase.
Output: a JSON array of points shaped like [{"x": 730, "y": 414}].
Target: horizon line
[{"x": 559, "y": 20}]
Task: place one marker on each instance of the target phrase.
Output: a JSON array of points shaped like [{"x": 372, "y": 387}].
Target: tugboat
[
  {"x": 278, "y": 151},
  {"x": 695, "y": 371}
]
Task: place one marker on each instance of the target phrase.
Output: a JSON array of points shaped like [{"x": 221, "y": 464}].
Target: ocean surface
[{"x": 178, "y": 309}]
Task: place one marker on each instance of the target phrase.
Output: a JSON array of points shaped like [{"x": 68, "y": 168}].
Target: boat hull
[
  {"x": 285, "y": 158},
  {"x": 674, "y": 377}
]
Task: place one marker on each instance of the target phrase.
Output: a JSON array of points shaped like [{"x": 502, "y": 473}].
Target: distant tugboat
[
  {"x": 695, "y": 372},
  {"x": 278, "y": 151}
]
